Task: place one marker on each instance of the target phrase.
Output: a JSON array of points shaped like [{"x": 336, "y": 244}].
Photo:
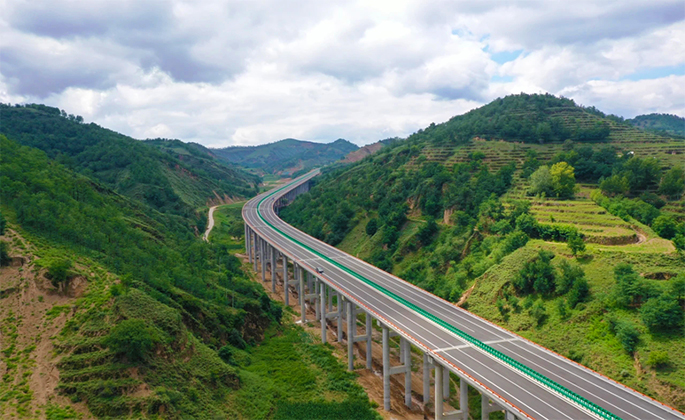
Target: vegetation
[
  {"x": 287, "y": 157},
  {"x": 173, "y": 179},
  {"x": 664, "y": 123},
  {"x": 538, "y": 265},
  {"x": 177, "y": 303}
]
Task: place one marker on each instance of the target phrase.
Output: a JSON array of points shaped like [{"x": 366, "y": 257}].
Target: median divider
[{"x": 560, "y": 389}]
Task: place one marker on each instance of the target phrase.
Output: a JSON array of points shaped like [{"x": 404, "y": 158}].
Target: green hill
[
  {"x": 463, "y": 209},
  {"x": 665, "y": 123},
  {"x": 176, "y": 179},
  {"x": 286, "y": 157},
  {"x": 116, "y": 310}
]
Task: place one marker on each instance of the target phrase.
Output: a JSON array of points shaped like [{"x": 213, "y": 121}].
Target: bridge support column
[
  {"x": 315, "y": 302},
  {"x": 407, "y": 373},
  {"x": 351, "y": 332},
  {"x": 262, "y": 257},
  {"x": 254, "y": 241},
  {"x": 341, "y": 311},
  {"x": 386, "y": 368},
  {"x": 426, "y": 379},
  {"x": 303, "y": 309},
  {"x": 247, "y": 244},
  {"x": 446, "y": 383},
  {"x": 285, "y": 281},
  {"x": 369, "y": 336},
  {"x": 323, "y": 312},
  {"x": 464, "y": 398},
  {"x": 508, "y": 415},
  {"x": 439, "y": 407},
  {"x": 273, "y": 270}
]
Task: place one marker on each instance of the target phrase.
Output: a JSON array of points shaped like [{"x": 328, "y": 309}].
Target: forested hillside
[
  {"x": 175, "y": 183},
  {"x": 286, "y": 157},
  {"x": 553, "y": 220},
  {"x": 666, "y": 123},
  {"x": 116, "y": 310}
]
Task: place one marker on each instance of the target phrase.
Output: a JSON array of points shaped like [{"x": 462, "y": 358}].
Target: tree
[
  {"x": 580, "y": 292},
  {"x": 678, "y": 287},
  {"x": 4, "y": 254},
  {"x": 615, "y": 185},
  {"x": 372, "y": 227},
  {"x": 629, "y": 285},
  {"x": 541, "y": 182},
  {"x": 538, "y": 312},
  {"x": 536, "y": 275},
  {"x": 627, "y": 334},
  {"x": 576, "y": 243},
  {"x": 658, "y": 358},
  {"x": 132, "y": 338},
  {"x": 3, "y": 224},
  {"x": 237, "y": 229},
  {"x": 570, "y": 274},
  {"x": 661, "y": 313},
  {"x": 426, "y": 232},
  {"x": 679, "y": 242},
  {"x": 563, "y": 179},
  {"x": 665, "y": 226},
  {"x": 59, "y": 271},
  {"x": 673, "y": 183}
]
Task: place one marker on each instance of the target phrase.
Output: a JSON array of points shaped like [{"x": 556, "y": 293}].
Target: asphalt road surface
[{"x": 522, "y": 395}]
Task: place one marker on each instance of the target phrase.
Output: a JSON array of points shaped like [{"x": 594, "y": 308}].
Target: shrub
[
  {"x": 615, "y": 185},
  {"x": 673, "y": 183},
  {"x": 4, "y": 254},
  {"x": 576, "y": 244},
  {"x": 541, "y": 182},
  {"x": 570, "y": 273},
  {"x": 627, "y": 334},
  {"x": 658, "y": 358},
  {"x": 661, "y": 313},
  {"x": 59, "y": 271},
  {"x": 372, "y": 227},
  {"x": 563, "y": 179},
  {"x": 561, "y": 308},
  {"x": 236, "y": 340},
  {"x": 536, "y": 275},
  {"x": 580, "y": 292},
  {"x": 426, "y": 232},
  {"x": 132, "y": 338},
  {"x": 538, "y": 312},
  {"x": 665, "y": 226}
]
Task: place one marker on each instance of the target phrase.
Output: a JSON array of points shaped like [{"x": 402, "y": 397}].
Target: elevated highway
[{"x": 512, "y": 374}]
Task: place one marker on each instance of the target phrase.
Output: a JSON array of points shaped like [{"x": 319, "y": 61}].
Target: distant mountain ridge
[
  {"x": 168, "y": 175},
  {"x": 286, "y": 157},
  {"x": 666, "y": 123}
]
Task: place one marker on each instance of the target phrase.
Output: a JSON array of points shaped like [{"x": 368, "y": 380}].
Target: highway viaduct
[{"x": 511, "y": 373}]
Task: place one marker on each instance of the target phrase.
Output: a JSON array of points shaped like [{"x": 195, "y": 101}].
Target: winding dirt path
[{"x": 210, "y": 224}]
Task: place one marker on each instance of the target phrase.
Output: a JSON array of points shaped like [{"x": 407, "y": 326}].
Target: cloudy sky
[{"x": 247, "y": 72}]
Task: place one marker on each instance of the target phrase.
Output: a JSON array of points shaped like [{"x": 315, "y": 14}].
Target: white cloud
[{"x": 223, "y": 73}]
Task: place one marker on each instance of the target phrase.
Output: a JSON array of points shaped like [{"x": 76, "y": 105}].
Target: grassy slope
[
  {"x": 584, "y": 334},
  {"x": 289, "y": 375}
]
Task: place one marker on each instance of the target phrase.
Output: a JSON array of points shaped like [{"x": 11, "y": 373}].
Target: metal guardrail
[{"x": 560, "y": 389}]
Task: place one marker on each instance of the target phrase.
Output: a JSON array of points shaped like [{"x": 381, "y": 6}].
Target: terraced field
[{"x": 498, "y": 153}]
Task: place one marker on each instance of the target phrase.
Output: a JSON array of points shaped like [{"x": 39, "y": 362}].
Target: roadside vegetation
[{"x": 541, "y": 241}]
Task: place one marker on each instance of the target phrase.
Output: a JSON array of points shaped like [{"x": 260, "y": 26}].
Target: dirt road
[{"x": 210, "y": 224}]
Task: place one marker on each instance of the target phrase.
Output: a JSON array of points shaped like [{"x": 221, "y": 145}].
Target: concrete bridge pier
[{"x": 273, "y": 269}]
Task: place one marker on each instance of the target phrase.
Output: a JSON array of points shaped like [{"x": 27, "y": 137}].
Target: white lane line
[
  {"x": 451, "y": 334},
  {"x": 506, "y": 340},
  {"x": 581, "y": 385},
  {"x": 378, "y": 304},
  {"x": 421, "y": 296},
  {"x": 498, "y": 374}
]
